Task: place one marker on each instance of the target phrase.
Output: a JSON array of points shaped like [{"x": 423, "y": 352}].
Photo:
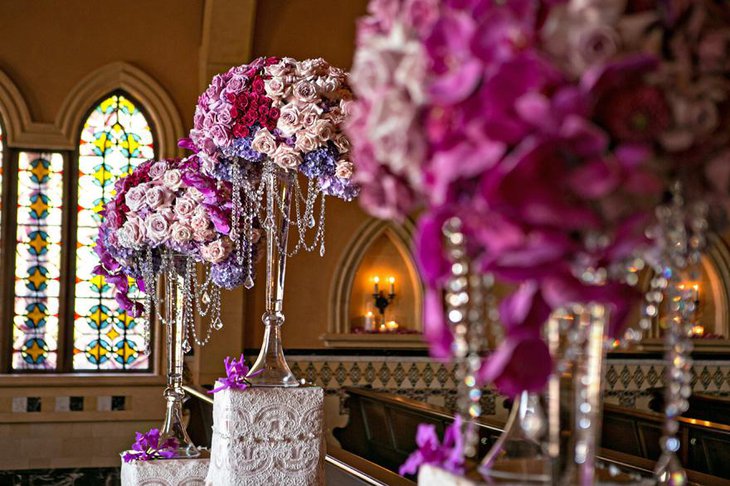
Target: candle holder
[{"x": 383, "y": 300}]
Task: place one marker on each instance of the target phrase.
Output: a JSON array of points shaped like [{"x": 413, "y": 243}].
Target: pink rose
[
  {"x": 195, "y": 195},
  {"x": 325, "y": 130},
  {"x": 328, "y": 84},
  {"x": 306, "y": 141},
  {"x": 305, "y": 92},
  {"x": 158, "y": 229},
  {"x": 209, "y": 120},
  {"x": 342, "y": 143},
  {"x": 172, "y": 179},
  {"x": 180, "y": 233},
  {"x": 283, "y": 68},
  {"x": 276, "y": 88},
  {"x": 286, "y": 157},
  {"x": 343, "y": 170},
  {"x": 223, "y": 116},
  {"x": 185, "y": 206},
  {"x": 289, "y": 119},
  {"x": 135, "y": 198},
  {"x": 157, "y": 171},
  {"x": 236, "y": 84},
  {"x": 313, "y": 67},
  {"x": 200, "y": 220},
  {"x": 264, "y": 142},
  {"x": 221, "y": 136},
  {"x": 158, "y": 197},
  {"x": 132, "y": 233},
  {"x": 308, "y": 116},
  {"x": 217, "y": 251}
]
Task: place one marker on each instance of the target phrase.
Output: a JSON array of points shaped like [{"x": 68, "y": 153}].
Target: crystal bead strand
[
  {"x": 475, "y": 319},
  {"x": 457, "y": 310}
]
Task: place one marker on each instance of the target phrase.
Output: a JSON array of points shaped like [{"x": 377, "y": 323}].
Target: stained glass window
[
  {"x": 37, "y": 261},
  {"x": 115, "y": 138}
]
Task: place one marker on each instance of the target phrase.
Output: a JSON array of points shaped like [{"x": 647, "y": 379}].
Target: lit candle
[
  {"x": 392, "y": 326},
  {"x": 392, "y": 285},
  {"x": 383, "y": 328},
  {"x": 377, "y": 281},
  {"x": 369, "y": 321}
]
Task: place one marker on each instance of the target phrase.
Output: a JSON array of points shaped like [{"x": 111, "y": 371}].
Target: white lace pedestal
[
  {"x": 429, "y": 476},
  {"x": 267, "y": 436},
  {"x": 165, "y": 472}
]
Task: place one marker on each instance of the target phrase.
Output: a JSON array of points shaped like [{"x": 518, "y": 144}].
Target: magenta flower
[
  {"x": 236, "y": 371},
  {"x": 148, "y": 447},
  {"x": 518, "y": 364},
  {"x": 448, "y": 455}
]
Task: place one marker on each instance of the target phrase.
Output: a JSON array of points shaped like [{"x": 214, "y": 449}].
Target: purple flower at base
[
  {"x": 448, "y": 456},
  {"x": 147, "y": 447},
  {"x": 236, "y": 371}
]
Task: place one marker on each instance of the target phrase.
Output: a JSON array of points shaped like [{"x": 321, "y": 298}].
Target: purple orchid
[
  {"x": 148, "y": 447},
  {"x": 236, "y": 371},
  {"x": 448, "y": 455}
]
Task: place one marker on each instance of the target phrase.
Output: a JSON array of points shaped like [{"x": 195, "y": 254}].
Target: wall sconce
[{"x": 382, "y": 301}]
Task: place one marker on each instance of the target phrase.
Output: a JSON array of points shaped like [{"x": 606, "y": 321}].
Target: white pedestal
[
  {"x": 268, "y": 436},
  {"x": 429, "y": 475},
  {"x": 165, "y": 472}
]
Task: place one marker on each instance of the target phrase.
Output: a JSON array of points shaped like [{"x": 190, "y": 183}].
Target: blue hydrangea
[{"x": 320, "y": 162}]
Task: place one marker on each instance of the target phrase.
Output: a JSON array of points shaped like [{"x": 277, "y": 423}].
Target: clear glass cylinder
[
  {"x": 271, "y": 368},
  {"x": 174, "y": 320}
]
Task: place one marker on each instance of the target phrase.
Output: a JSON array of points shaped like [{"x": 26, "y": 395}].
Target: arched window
[{"x": 115, "y": 138}]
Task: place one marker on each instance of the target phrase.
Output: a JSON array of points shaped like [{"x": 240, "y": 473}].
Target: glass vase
[
  {"x": 175, "y": 317},
  {"x": 586, "y": 352},
  {"x": 520, "y": 454},
  {"x": 271, "y": 368}
]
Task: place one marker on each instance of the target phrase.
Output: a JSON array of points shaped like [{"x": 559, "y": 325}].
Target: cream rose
[
  {"x": 286, "y": 157},
  {"x": 132, "y": 233},
  {"x": 180, "y": 233},
  {"x": 172, "y": 179},
  {"x": 217, "y": 251},
  {"x": 264, "y": 142},
  {"x": 289, "y": 119},
  {"x": 306, "y": 141},
  {"x": 158, "y": 197},
  {"x": 158, "y": 170},
  {"x": 325, "y": 130},
  {"x": 184, "y": 207},
  {"x": 135, "y": 198},
  {"x": 305, "y": 92},
  {"x": 276, "y": 88},
  {"x": 343, "y": 170},
  {"x": 158, "y": 229}
]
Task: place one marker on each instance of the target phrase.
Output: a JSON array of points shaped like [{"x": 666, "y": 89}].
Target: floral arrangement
[
  {"x": 236, "y": 375},
  {"x": 287, "y": 111},
  {"x": 449, "y": 455},
  {"x": 165, "y": 205},
  {"x": 551, "y": 129},
  {"x": 148, "y": 447}
]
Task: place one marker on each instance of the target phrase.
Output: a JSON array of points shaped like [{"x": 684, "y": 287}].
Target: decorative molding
[
  {"x": 23, "y": 132},
  {"x": 401, "y": 236}
]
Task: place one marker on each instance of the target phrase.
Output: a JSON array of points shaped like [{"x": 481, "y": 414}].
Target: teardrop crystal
[
  {"x": 218, "y": 324},
  {"x": 321, "y": 250},
  {"x": 186, "y": 346},
  {"x": 248, "y": 283},
  {"x": 205, "y": 298},
  {"x": 311, "y": 221}
]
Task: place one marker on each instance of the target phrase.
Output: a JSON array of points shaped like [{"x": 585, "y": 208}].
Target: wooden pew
[{"x": 382, "y": 429}]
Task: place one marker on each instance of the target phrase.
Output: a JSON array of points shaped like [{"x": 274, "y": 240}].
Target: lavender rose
[
  {"x": 158, "y": 229},
  {"x": 264, "y": 142},
  {"x": 172, "y": 179},
  {"x": 343, "y": 169},
  {"x": 132, "y": 233},
  {"x": 306, "y": 141},
  {"x": 217, "y": 251},
  {"x": 221, "y": 136},
  {"x": 289, "y": 119},
  {"x": 305, "y": 92},
  {"x": 185, "y": 206},
  {"x": 286, "y": 157},
  {"x": 158, "y": 170},
  {"x": 158, "y": 197},
  {"x": 180, "y": 233},
  {"x": 135, "y": 198}
]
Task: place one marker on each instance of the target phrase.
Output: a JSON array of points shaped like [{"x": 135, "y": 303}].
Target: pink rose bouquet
[
  {"x": 282, "y": 110},
  {"x": 165, "y": 205},
  {"x": 551, "y": 129}
]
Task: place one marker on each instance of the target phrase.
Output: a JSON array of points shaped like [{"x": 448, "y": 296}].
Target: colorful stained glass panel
[
  {"x": 116, "y": 138},
  {"x": 37, "y": 261}
]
